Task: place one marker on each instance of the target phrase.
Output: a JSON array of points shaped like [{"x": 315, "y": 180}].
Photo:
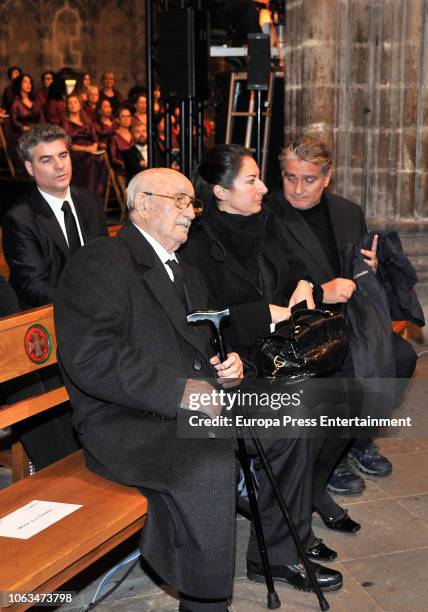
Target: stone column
[{"x": 357, "y": 76}]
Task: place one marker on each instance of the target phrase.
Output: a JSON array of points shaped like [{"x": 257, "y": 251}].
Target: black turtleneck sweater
[{"x": 318, "y": 219}]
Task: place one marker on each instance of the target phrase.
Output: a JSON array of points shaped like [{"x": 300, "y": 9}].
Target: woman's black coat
[{"x": 231, "y": 285}]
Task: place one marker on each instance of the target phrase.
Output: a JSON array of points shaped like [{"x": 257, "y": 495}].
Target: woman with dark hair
[
  {"x": 24, "y": 112},
  {"x": 89, "y": 169},
  {"x": 105, "y": 124},
  {"x": 227, "y": 180},
  {"x": 248, "y": 268},
  {"x": 42, "y": 95},
  {"x": 121, "y": 140},
  {"x": 8, "y": 94},
  {"x": 55, "y": 103},
  {"x": 83, "y": 82},
  {"x": 140, "y": 107}
]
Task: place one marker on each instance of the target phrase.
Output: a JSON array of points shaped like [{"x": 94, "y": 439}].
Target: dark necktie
[
  {"x": 71, "y": 228},
  {"x": 178, "y": 278}
]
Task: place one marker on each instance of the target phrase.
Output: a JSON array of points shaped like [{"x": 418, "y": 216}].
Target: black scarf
[{"x": 241, "y": 236}]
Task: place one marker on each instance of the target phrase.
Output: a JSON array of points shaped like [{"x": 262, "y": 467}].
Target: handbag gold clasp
[{"x": 279, "y": 362}]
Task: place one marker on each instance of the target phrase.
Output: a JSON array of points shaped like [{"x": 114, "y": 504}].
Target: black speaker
[
  {"x": 258, "y": 61},
  {"x": 183, "y": 53}
]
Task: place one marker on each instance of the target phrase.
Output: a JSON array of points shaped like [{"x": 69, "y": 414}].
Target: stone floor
[{"x": 385, "y": 566}]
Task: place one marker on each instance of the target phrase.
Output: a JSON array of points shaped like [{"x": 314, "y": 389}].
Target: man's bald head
[
  {"x": 155, "y": 180},
  {"x": 152, "y": 206}
]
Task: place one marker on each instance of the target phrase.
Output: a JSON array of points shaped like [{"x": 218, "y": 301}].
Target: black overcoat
[{"x": 126, "y": 352}]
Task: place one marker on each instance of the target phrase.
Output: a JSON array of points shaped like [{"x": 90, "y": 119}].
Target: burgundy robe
[
  {"x": 116, "y": 146},
  {"x": 89, "y": 170}
]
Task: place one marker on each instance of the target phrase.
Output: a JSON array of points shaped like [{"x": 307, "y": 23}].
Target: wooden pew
[{"x": 110, "y": 513}]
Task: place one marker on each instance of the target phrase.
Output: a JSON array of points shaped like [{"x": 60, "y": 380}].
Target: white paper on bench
[{"x": 33, "y": 518}]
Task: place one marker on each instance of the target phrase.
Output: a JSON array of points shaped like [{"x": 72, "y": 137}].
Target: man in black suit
[
  {"x": 40, "y": 233},
  {"x": 130, "y": 361},
  {"x": 135, "y": 157},
  {"x": 317, "y": 226}
]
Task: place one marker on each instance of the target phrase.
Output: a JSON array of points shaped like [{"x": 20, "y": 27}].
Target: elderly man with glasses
[{"x": 130, "y": 362}]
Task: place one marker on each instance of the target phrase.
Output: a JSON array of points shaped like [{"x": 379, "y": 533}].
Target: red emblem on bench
[{"x": 38, "y": 344}]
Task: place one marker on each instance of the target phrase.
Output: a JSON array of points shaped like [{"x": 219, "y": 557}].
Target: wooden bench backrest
[
  {"x": 28, "y": 344},
  {"x": 15, "y": 360}
]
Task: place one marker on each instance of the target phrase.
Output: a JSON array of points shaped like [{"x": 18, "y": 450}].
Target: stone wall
[
  {"x": 86, "y": 35},
  {"x": 357, "y": 76}
]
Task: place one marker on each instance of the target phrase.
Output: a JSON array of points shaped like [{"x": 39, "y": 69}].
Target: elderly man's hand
[
  {"x": 338, "y": 290},
  {"x": 370, "y": 256},
  {"x": 231, "y": 369}
]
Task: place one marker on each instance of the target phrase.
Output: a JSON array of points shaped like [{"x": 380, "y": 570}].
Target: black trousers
[
  {"x": 329, "y": 451},
  {"x": 289, "y": 460}
]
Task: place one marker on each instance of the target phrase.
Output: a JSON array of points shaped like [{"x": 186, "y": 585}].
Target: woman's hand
[
  {"x": 302, "y": 292},
  {"x": 279, "y": 313}
]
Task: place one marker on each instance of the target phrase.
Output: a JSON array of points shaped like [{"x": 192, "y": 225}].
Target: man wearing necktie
[
  {"x": 130, "y": 361},
  {"x": 43, "y": 229},
  {"x": 40, "y": 233}
]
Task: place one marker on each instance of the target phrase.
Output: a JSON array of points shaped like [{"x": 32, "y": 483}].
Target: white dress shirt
[
  {"x": 162, "y": 253},
  {"x": 143, "y": 150},
  {"x": 56, "y": 205}
]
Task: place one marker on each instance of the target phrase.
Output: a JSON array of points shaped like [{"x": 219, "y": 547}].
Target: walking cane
[{"x": 215, "y": 318}]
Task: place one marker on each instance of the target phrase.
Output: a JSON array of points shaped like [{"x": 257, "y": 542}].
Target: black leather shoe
[
  {"x": 295, "y": 575},
  {"x": 344, "y": 481},
  {"x": 343, "y": 524},
  {"x": 320, "y": 552},
  {"x": 370, "y": 461}
]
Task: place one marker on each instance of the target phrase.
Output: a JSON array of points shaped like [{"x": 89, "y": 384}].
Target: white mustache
[{"x": 186, "y": 222}]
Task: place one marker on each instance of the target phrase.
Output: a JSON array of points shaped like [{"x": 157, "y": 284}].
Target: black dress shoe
[
  {"x": 320, "y": 552},
  {"x": 343, "y": 524},
  {"x": 295, "y": 575}
]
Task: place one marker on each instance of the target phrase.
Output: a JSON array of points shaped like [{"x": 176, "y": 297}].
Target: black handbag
[{"x": 311, "y": 343}]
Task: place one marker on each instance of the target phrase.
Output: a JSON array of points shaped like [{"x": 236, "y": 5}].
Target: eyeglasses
[{"x": 181, "y": 200}]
